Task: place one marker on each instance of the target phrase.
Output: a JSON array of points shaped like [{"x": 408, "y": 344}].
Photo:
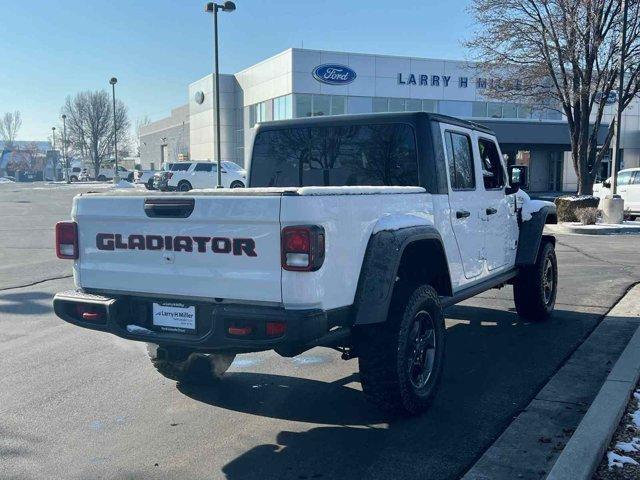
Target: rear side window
[
  {"x": 203, "y": 167},
  {"x": 335, "y": 156},
  {"x": 492, "y": 172},
  {"x": 180, "y": 167},
  {"x": 460, "y": 160}
]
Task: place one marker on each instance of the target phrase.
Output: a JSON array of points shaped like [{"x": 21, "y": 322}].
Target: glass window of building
[
  {"x": 335, "y": 156},
  {"x": 430, "y": 106},
  {"x": 524, "y": 111},
  {"x": 455, "y": 108},
  {"x": 359, "y": 105},
  {"x": 282, "y": 108},
  {"x": 303, "y": 105},
  {"x": 509, "y": 110},
  {"x": 338, "y": 104},
  {"x": 413, "y": 105},
  {"x": 380, "y": 104},
  {"x": 494, "y": 110},
  {"x": 479, "y": 110},
  {"x": 396, "y": 104},
  {"x": 321, "y": 105}
]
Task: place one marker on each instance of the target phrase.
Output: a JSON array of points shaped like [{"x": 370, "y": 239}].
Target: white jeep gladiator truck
[{"x": 356, "y": 232}]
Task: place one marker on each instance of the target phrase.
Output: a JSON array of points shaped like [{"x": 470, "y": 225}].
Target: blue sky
[{"x": 156, "y": 48}]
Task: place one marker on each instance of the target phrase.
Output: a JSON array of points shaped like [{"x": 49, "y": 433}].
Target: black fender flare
[
  {"x": 380, "y": 269},
  {"x": 531, "y": 235}
]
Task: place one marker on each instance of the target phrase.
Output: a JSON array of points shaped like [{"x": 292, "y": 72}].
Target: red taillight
[
  {"x": 276, "y": 329},
  {"x": 67, "y": 240},
  {"x": 302, "y": 248}
]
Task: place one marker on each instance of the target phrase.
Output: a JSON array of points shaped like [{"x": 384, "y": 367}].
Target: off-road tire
[
  {"x": 534, "y": 297},
  {"x": 184, "y": 186},
  {"x": 386, "y": 353},
  {"x": 237, "y": 184},
  {"x": 197, "y": 369}
]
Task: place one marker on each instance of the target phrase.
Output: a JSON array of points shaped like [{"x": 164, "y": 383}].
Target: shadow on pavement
[
  {"x": 25, "y": 303},
  {"x": 495, "y": 365}
]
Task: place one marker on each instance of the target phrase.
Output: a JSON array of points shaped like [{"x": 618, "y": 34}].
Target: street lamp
[
  {"x": 55, "y": 160},
  {"x": 113, "y": 82},
  {"x": 64, "y": 147},
  {"x": 212, "y": 7}
]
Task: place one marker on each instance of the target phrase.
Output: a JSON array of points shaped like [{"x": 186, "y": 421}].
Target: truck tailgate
[{"x": 227, "y": 247}]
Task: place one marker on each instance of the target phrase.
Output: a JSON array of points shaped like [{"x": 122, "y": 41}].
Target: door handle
[
  {"x": 491, "y": 211},
  {"x": 462, "y": 214}
]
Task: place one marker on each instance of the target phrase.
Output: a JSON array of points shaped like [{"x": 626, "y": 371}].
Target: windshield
[
  {"x": 351, "y": 155},
  {"x": 234, "y": 167}
]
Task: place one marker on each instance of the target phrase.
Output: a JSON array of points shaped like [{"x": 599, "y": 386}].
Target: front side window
[
  {"x": 460, "y": 161},
  {"x": 203, "y": 167},
  {"x": 335, "y": 156},
  {"x": 624, "y": 178},
  {"x": 492, "y": 172}
]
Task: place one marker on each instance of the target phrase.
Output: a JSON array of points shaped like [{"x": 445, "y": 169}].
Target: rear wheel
[
  {"x": 237, "y": 184},
  {"x": 73, "y": 178},
  {"x": 536, "y": 286},
  {"x": 401, "y": 360},
  {"x": 184, "y": 186},
  {"x": 194, "y": 368}
]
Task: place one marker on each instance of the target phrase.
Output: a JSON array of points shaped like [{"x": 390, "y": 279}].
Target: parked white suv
[
  {"x": 185, "y": 176},
  {"x": 628, "y": 189}
]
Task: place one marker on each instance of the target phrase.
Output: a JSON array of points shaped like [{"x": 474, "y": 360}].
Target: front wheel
[
  {"x": 195, "y": 368},
  {"x": 536, "y": 286},
  {"x": 401, "y": 360}
]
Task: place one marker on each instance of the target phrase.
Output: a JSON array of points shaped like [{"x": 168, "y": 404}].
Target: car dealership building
[{"x": 303, "y": 83}]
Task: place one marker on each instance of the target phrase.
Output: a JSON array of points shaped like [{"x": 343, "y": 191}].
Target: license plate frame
[{"x": 174, "y": 317}]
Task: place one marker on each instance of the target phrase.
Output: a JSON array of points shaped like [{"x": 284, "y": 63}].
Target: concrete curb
[
  {"x": 584, "y": 451},
  {"x": 586, "y": 230}
]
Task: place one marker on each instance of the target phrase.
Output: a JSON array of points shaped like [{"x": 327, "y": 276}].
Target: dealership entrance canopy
[{"x": 303, "y": 83}]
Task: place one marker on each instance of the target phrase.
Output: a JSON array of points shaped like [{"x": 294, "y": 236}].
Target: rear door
[
  {"x": 203, "y": 175},
  {"x": 464, "y": 198},
  {"x": 227, "y": 247}
]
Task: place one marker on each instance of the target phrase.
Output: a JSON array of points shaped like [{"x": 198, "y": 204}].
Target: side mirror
[
  {"x": 518, "y": 177},
  {"x": 606, "y": 184}
]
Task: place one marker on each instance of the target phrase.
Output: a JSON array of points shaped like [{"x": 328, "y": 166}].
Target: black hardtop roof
[{"x": 362, "y": 118}]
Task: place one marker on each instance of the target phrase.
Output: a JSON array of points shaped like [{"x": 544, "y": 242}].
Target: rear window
[
  {"x": 335, "y": 156},
  {"x": 203, "y": 167}
]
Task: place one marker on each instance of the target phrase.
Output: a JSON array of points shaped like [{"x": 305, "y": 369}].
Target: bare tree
[
  {"x": 9, "y": 126},
  {"x": 562, "y": 54},
  {"x": 90, "y": 126},
  {"x": 140, "y": 124}
]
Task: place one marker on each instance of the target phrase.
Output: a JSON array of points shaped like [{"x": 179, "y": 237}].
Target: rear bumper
[{"x": 304, "y": 328}]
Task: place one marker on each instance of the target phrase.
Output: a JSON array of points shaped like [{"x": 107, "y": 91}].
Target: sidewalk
[{"x": 531, "y": 445}]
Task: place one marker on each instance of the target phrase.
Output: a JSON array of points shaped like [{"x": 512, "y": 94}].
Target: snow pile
[
  {"x": 529, "y": 207},
  {"x": 627, "y": 452},
  {"x": 123, "y": 184},
  {"x": 396, "y": 221},
  {"x": 137, "y": 329},
  {"x": 619, "y": 461},
  {"x": 6, "y": 180},
  {"x": 363, "y": 190}
]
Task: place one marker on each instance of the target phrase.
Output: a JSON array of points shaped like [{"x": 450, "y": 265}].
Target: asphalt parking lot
[{"x": 82, "y": 404}]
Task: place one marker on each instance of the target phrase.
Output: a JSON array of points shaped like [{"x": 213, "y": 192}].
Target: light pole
[
  {"x": 213, "y": 8},
  {"x": 55, "y": 161},
  {"x": 64, "y": 147},
  {"x": 116, "y": 177},
  {"x": 615, "y": 160}
]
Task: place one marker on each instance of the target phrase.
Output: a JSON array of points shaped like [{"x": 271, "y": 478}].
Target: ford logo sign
[{"x": 334, "y": 74}]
